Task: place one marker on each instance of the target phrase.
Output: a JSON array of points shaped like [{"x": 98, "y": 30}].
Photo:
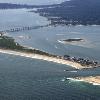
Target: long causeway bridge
[{"x": 25, "y": 28}]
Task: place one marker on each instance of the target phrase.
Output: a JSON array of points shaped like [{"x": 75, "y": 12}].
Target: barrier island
[{"x": 9, "y": 46}]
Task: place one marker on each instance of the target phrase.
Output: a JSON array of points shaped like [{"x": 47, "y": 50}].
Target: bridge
[{"x": 25, "y": 28}]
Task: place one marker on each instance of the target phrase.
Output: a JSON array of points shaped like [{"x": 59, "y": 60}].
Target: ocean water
[{"x": 29, "y": 79}]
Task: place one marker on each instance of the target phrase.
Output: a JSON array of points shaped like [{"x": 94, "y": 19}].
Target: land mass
[
  {"x": 71, "y": 40},
  {"x": 95, "y": 80},
  {"x": 19, "y": 6},
  {"x": 74, "y": 12},
  {"x": 9, "y": 46}
]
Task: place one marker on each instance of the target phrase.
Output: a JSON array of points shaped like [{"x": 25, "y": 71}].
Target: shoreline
[
  {"x": 9, "y": 46},
  {"x": 43, "y": 57},
  {"x": 94, "y": 80}
]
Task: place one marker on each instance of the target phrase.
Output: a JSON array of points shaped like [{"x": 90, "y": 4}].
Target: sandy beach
[
  {"x": 43, "y": 57},
  {"x": 95, "y": 80}
]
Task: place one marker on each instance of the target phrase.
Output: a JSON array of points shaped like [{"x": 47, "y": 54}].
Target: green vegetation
[{"x": 10, "y": 44}]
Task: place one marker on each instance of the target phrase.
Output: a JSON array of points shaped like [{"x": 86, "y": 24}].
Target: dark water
[{"x": 29, "y": 79}]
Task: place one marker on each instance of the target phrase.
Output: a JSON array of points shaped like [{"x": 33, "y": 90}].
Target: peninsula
[{"x": 9, "y": 46}]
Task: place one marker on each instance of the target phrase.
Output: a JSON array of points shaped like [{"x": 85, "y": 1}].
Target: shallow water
[{"x": 28, "y": 79}]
